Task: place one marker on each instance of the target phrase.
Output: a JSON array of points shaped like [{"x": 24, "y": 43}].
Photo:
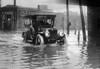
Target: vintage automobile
[{"x": 42, "y": 31}]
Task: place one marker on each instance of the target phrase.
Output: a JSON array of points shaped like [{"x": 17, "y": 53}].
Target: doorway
[{"x": 6, "y": 22}]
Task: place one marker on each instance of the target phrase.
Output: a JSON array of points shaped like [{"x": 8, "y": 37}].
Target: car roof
[{"x": 31, "y": 16}]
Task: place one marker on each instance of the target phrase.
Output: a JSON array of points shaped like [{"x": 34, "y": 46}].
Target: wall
[
  {"x": 21, "y": 12},
  {"x": 93, "y": 22},
  {"x": 59, "y": 21}
]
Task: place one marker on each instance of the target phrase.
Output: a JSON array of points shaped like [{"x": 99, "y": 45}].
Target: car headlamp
[
  {"x": 61, "y": 33},
  {"x": 47, "y": 34}
]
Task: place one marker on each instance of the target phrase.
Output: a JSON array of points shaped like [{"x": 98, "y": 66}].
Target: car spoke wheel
[{"x": 39, "y": 40}]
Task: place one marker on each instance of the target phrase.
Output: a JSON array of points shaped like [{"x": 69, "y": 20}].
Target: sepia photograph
[{"x": 49, "y": 34}]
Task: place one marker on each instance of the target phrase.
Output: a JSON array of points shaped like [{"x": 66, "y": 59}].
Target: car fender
[{"x": 41, "y": 37}]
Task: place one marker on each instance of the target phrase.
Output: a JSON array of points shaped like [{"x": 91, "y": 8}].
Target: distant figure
[
  {"x": 68, "y": 27},
  {"x": 31, "y": 29},
  {"x": 49, "y": 21},
  {"x": 9, "y": 23},
  {"x": 78, "y": 36},
  {"x": 75, "y": 32}
]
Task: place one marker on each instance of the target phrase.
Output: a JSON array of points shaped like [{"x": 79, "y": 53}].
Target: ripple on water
[{"x": 15, "y": 54}]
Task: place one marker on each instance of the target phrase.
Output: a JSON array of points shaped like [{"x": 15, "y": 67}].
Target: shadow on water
[{"x": 93, "y": 50}]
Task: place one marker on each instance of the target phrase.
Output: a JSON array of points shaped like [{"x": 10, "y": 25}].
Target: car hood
[{"x": 49, "y": 29}]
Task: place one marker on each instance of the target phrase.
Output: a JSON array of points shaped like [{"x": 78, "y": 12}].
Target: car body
[{"x": 42, "y": 31}]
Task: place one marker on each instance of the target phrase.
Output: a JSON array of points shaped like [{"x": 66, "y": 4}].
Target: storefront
[
  {"x": 7, "y": 18},
  {"x": 12, "y": 17}
]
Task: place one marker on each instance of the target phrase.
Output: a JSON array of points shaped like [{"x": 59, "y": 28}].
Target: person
[
  {"x": 27, "y": 28},
  {"x": 75, "y": 31},
  {"x": 9, "y": 23},
  {"x": 32, "y": 30},
  {"x": 78, "y": 35},
  {"x": 68, "y": 28},
  {"x": 27, "y": 23},
  {"x": 49, "y": 22}
]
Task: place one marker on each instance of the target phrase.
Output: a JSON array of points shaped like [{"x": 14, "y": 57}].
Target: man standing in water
[
  {"x": 78, "y": 38},
  {"x": 68, "y": 27}
]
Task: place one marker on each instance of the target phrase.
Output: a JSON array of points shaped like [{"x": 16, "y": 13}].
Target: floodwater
[{"x": 16, "y": 54}]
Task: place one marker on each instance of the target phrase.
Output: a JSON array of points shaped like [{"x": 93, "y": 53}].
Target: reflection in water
[
  {"x": 46, "y": 58},
  {"x": 15, "y": 54},
  {"x": 94, "y": 54}
]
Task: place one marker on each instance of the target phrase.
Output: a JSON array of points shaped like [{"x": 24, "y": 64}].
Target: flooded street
[{"x": 16, "y": 54}]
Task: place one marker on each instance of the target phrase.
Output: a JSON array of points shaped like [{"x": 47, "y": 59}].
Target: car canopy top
[{"x": 34, "y": 16}]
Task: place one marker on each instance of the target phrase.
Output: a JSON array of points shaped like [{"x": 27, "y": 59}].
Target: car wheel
[{"x": 39, "y": 40}]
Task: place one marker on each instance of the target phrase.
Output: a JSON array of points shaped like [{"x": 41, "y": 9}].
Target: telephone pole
[
  {"x": 67, "y": 7},
  {"x": 0, "y": 3},
  {"x": 14, "y": 2},
  {"x": 14, "y": 14},
  {"x": 67, "y": 12},
  {"x": 82, "y": 20}
]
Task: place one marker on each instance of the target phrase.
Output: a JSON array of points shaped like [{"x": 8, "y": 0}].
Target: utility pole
[
  {"x": 82, "y": 20},
  {"x": 63, "y": 23},
  {"x": 14, "y": 2},
  {"x": 14, "y": 25},
  {"x": 67, "y": 7},
  {"x": 67, "y": 11},
  {"x": 0, "y": 3}
]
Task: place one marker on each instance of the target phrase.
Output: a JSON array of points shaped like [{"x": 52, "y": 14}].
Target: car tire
[{"x": 39, "y": 40}]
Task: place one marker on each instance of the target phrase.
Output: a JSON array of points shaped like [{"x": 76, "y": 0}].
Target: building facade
[{"x": 11, "y": 17}]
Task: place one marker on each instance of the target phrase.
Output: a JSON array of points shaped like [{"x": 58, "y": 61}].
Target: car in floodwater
[{"x": 40, "y": 30}]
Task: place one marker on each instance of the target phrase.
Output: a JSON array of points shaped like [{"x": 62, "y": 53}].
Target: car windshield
[{"x": 45, "y": 21}]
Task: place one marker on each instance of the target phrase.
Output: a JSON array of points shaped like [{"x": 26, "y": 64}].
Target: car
[{"x": 40, "y": 30}]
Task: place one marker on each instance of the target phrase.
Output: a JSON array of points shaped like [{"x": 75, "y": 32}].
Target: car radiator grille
[{"x": 53, "y": 35}]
